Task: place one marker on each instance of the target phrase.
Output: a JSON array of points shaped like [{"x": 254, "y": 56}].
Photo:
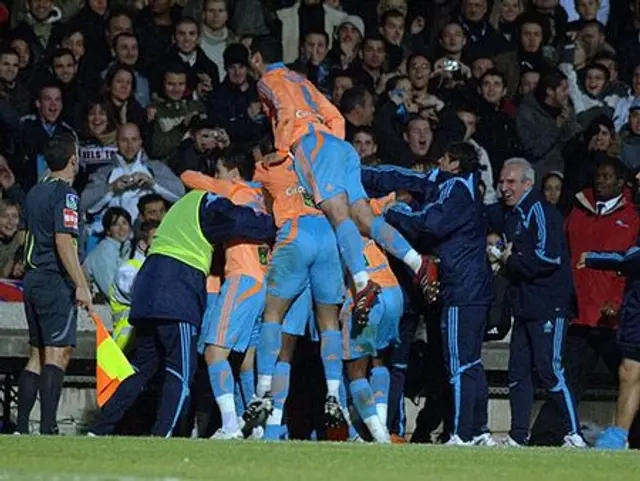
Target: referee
[{"x": 54, "y": 283}]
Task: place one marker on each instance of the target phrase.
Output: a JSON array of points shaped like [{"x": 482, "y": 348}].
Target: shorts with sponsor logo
[
  {"x": 327, "y": 166},
  {"x": 380, "y": 332},
  {"x": 49, "y": 304}
]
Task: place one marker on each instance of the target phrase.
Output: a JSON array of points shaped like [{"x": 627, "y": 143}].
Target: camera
[{"x": 451, "y": 65}]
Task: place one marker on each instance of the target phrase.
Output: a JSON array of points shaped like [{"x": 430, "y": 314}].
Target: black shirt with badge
[{"x": 51, "y": 207}]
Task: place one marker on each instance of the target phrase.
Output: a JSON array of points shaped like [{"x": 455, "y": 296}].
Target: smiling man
[{"x": 537, "y": 265}]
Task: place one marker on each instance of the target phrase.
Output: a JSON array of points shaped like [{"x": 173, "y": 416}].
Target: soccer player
[
  {"x": 308, "y": 127},
  {"x": 455, "y": 225},
  {"x": 54, "y": 284},
  {"x": 169, "y": 298},
  {"x": 233, "y": 321},
  {"x": 365, "y": 345},
  {"x": 627, "y": 263},
  {"x": 305, "y": 256}
]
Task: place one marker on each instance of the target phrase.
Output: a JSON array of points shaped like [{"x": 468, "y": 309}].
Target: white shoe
[
  {"x": 91, "y": 435},
  {"x": 484, "y": 439},
  {"x": 455, "y": 440},
  {"x": 574, "y": 441},
  {"x": 257, "y": 433},
  {"x": 222, "y": 435},
  {"x": 509, "y": 442}
]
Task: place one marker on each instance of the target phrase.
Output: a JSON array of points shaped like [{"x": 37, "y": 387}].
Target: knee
[{"x": 629, "y": 371}]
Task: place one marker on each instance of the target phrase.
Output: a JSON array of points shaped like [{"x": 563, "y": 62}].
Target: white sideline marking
[{"x": 17, "y": 476}]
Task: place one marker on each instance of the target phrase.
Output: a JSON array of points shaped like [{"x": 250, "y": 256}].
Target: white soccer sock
[
  {"x": 377, "y": 430},
  {"x": 227, "y": 407},
  {"x": 333, "y": 388},
  {"x": 413, "y": 260},
  {"x": 381, "y": 408},
  {"x": 275, "y": 418},
  {"x": 264, "y": 384},
  {"x": 361, "y": 279}
]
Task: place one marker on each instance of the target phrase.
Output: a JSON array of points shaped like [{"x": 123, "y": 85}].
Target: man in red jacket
[{"x": 604, "y": 218}]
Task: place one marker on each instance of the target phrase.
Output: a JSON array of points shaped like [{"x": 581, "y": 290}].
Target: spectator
[
  {"x": 630, "y": 139},
  {"x": 392, "y": 30},
  {"x": 503, "y": 17},
  {"x": 357, "y": 108},
  {"x": 97, "y": 137},
  {"x": 155, "y": 26},
  {"x": 234, "y": 106},
  {"x": 537, "y": 266},
  {"x": 216, "y": 36},
  {"x": 126, "y": 52},
  {"x": 28, "y": 164},
  {"x": 587, "y": 10},
  {"x": 9, "y": 189},
  {"x": 91, "y": 22},
  {"x": 10, "y": 238},
  {"x": 73, "y": 40},
  {"x": 119, "y": 21},
  {"x": 65, "y": 72},
  {"x": 13, "y": 94},
  {"x": 122, "y": 106},
  {"x": 102, "y": 263},
  {"x": 604, "y": 219},
  {"x": 130, "y": 176},
  {"x": 622, "y": 110},
  {"x": 41, "y": 28},
  {"x": 528, "y": 82},
  {"x": 418, "y": 137},
  {"x": 197, "y": 151},
  {"x": 419, "y": 73},
  {"x": 313, "y": 61},
  {"x": 203, "y": 76},
  {"x": 369, "y": 71},
  {"x": 552, "y": 187},
  {"x": 364, "y": 141},
  {"x": 481, "y": 36},
  {"x": 341, "y": 83},
  {"x": 616, "y": 85},
  {"x": 348, "y": 42},
  {"x": 171, "y": 113},
  {"x": 546, "y": 122},
  {"x": 152, "y": 208},
  {"x": 26, "y": 63},
  {"x": 305, "y": 16}
]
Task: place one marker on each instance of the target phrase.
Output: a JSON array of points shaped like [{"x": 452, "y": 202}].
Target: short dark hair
[
  {"x": 150, "y": 199},
  {"x": 588, "y": 23},
  {"x": 618, "y": 167},
  {"x": 393, "y": 13},
  {"x": 117, "y": 38},
  {"x": 316, "y": 32},
  {"x": 49, "y": 84},
  {"x": 143, "y": 230},
  {"x": 61, "y": 52},
  {"x": 188, "y": 20},
  {"x": 373, "y": 37},
  {"x": 175, "y": 68},
  {"x": 534, "y": 18},
  {"x": 494, "y": 72},
  {"x": 466, "y": 154},
  {"x": 365, "y": 129},
  {"x": 269, "y": 47},
  {"x": 413, "y": 118},
  {"x": 353, "y": 97},
  {"x": 549, "y": 80},
  {"x": 59, "y": 150},
  {"x": 112, "y": 214},
  {"x": 239, "y": 159},
  {"x": 112, "y": 72},
  {"x": 119, "y": 12},
  {"x": 599, "y": 67},
  {"x": 6, "y": 50}
]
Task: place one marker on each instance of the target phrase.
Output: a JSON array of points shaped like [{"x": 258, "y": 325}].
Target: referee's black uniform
[{"x": 52, "y": 284}]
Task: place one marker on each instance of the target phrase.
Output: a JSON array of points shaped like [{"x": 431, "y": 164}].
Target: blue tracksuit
[
  {"x": 628, "y": 264},
  {"x": 456, "y": 224},
  {"x": 540, "y": 293}
]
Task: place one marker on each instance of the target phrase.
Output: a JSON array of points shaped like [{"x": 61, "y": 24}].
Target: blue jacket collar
[
  {"x": 274, "y": 66},
  {"x": 529, "y": 198}
]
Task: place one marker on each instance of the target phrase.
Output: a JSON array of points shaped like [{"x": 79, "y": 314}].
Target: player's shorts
[
  {"x": 306, "y": 253},
  {"x": 49, "y": 304},
  {"x": 300, "y": 315},
  {"x": 327, "y": 166},
  {"x": 381, "y": 330},
  {"x": 234, "y": 315},
  {"x": 629, "y": 337}
]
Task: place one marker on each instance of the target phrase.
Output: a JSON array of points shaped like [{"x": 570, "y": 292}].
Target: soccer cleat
[
  {"x": 574, "y": 441},
  {"x": 509, "y": 442},
  {"x": 364, "y": 301},
  {"x": 396, "y": 439},
  {"x": 257, "y": 413},
  {"x": 613, "y": 437},
  {"x": 222, "y": 435},
  {"x": 484, "y": 439},
  {"x": 335, "y": 421},
  {"x": 456, "y": 440},
  {"x": 427, "y": 278}
]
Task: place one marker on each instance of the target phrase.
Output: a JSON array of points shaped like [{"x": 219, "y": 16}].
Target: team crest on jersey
[{"x": 71, "y": 201}]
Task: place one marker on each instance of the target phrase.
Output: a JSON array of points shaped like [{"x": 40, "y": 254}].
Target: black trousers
[{"x": 583, "y": 349}]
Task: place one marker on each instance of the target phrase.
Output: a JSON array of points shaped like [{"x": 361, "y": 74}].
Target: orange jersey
[
  {"x": 378, "y": 205},
  {"x": 289, "y": 201},
  {"x": 241, "y": 256},
  {"x": 378, "y": 264},
  {"x": 296, "y": 107},
  {"x": 213, "y": 284}
]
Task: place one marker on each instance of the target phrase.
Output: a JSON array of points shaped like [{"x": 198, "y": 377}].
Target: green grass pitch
[{"x": 134, "y": 459}]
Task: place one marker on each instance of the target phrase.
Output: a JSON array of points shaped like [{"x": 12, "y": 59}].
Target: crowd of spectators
[{"x": 156, "y": 87}]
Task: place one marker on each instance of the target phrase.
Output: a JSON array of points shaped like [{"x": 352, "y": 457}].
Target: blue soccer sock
[
  {"x": 221, "y": 379},
  {"x": 280, "y": 391},
  {"x": 344, "y": 403},
  {"x": 380, "y": 382},
  {"x": 331, "y": 353},
  {"x": 245, "y": 389},
  {"x": 394, "y": 243},
  {"x": 365, "y": 404},
  {"x": 351, "y": 249},
  {"x": 267, "y": 354}
]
